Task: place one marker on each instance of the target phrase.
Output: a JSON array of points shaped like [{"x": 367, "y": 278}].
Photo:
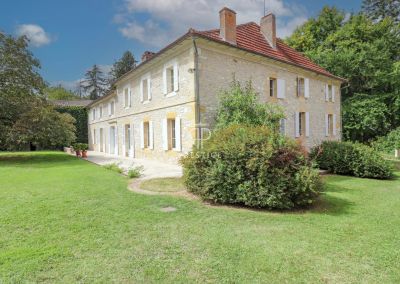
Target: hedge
[{"x": 81, "y": 116}]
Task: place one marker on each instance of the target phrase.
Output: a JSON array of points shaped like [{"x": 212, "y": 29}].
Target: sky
[{"x": 70, "y": 36}]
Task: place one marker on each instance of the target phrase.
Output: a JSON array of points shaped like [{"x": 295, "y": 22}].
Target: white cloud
[
  {"x": 168, "y": 19},
  {"x": 36, "y": 34}
]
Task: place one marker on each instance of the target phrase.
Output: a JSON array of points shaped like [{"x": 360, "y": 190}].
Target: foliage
[
  {"x": 60, "y": 93},
  {"x": 81, "y": 118},
  {"x": 126, "y": 63},
  {"x": 20, "y": 83},
  {"x": 95, "y": 83},
  {"x": 240, "y": 105},
  {"x": 252, "y": 166},
  {"x": 43, "y": 127},
  {"x": 388, "y": 143},
  {"x": 380, "y": 9},
  {"x": 135, "y": 172},
  {"x": 113, "y": 167},
  {"x": 353, "y": 159},
  {"x": 365, "y": 117}
]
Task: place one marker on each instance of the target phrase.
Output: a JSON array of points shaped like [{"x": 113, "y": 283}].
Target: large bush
[
  {"x": 353, "y": 159},
  {"x": 81, "y": 118},
  {"x": 252, "y": 166},
  {"x": 389, "y": 142}
]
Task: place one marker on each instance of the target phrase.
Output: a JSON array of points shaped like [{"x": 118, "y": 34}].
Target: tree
[
  {"x": 239, "y": 105},
  {"x": 126, "y": 63},
  {"x": 380, "y": 9},
  {"x": 60, "y": 93},
  {"x": 95, "y": 83}
]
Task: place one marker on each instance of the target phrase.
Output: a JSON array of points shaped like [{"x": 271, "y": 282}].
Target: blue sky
[{"x": 70, "y": 36}]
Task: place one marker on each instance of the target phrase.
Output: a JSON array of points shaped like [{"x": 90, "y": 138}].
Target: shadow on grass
[{"x": 36, "y": 159}]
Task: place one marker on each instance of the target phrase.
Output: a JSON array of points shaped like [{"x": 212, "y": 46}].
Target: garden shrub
[
  {"x": 388, "y": 143},
  {"x": 114, "y": 167},
  {"x": 135, "y": 172},
  {"x": 81, "y": 119},
  {"x": 353, "y": 159},
  {"x": 252, "y": 166}
]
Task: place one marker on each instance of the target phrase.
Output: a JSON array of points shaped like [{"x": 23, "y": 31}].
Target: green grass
[
  {"x": 163, "y": 185},
  {"x": 65, "y": 220}
]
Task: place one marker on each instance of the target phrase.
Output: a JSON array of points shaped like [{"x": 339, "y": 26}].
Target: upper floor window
[
  {"x": 329, "y": 93},
  {"x": 111, "y": 108},
  {"x": 127, "y": 97},
  {"x": 101, "y": 111},
  {"x": 93, "y": 114},
  {"x": 272, "y": 87},
  {"x": 145, "y": 89},
  {"x": 302, "y": 89},
  {"x": 170, "y": 78}
]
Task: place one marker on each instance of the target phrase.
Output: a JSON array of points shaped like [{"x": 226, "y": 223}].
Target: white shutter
[
  {"x": 141, "y": 90},
  {"x": 109, "y": 140},
  {"x": 109, "y": 109},
  {"x": 165, "y": 81},
  {"x": 296, "y": 125},
  {"x": 334, "y": 125},
  {"x": 151, "y": 136},
  {"x": 165, "y": 134},
  {"x": 132, "y": 149},
  {"x": 123, "y": 141},
  {"x": 116, "y": 140},
  {"x": 98, "y": 139},
  {"x": 306, "y": 88},
  {"x": 326, "y": 125},
  {"x": 178, "y": 144},
  {"x": 130, "y": 97},
  {"x": 176, "y": 77},
  {"x": 326, "y": 93},
  {"x": 333, "y": 93},
  {"x": 307, "y": 124},
  {"x": 281, "y": 88},
  {"x": 149, "y": 88},
  {"x": 142, "y": 135}
]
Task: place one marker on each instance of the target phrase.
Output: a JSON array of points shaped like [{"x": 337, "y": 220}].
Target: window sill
[
  {"x": 171, "y": 94},
  {"x": 145, "y": 102}
]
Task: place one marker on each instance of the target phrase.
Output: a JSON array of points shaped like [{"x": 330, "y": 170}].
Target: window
[
  {"x": 146, "y": 134},
  {"x": 145, "y": 89},
  {"x": 171, "y": 134},
  {"x": 329, "y": 93},
  {"x": 282, "y": 126},
  {"x": 93, "y": 114},
  {"x": 101, "y": 111},
  {"x": 300, "y": 87},
  {"x": 330, "y": 124},
  {"x": 94, "y": 136},
  {"x": 302, "y": 123},
  {"x": 112, "y": 108},
  {"x": 170, "y": 78},
  {"x": 272, "y": 87},
  {"x": 126, "y": 98}
]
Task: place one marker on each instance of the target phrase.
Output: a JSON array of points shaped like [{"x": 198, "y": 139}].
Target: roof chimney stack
[
  {"x": 147, "y": 55},
  {"x": 227, "y": 20},
  {"x": 268, "y": 29}
]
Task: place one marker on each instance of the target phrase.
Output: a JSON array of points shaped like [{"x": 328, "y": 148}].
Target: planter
[
  {"x": 84, "y": 154},
  {"x": 78, "y": 153}
]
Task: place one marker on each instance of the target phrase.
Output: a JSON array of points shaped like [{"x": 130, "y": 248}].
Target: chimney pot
[
  {"x": 268, "y": 29},
  {"x": 147, "y": 55},
  {"x": 227, "y": 19}
]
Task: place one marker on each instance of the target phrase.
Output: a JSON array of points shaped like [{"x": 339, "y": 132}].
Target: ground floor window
[
  {"x": 171, "y": 134},
  {"x": 146, "y": 134}
]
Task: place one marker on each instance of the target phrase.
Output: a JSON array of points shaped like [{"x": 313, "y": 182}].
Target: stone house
[{"x": 161, "y": 108}]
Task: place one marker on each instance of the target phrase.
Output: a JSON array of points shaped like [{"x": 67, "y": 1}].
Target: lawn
[{"x": 67, "y": 220}]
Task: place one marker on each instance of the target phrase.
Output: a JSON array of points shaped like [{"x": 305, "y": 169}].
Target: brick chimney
[
  {"x": 147, "y": 55},
  {"x": 227, "y": 20},
  {"x": 268, "y": 29}
]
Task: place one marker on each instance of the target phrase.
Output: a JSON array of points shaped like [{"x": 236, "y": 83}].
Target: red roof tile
[{"x": 250, "y": 38}]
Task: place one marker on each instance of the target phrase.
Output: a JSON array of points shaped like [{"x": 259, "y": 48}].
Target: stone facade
[{"x": 176, "y": 100}]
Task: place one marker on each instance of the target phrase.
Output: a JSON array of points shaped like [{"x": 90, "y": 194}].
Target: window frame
[
  {"x": 146, "y": 134},
  {"x": 301, "y": 87},
  {"x": 145, "y": 78},
  {"x": 273, "y": 87}
]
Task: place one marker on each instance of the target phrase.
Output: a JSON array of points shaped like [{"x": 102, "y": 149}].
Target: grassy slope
[{"x": 68, "y": 220}]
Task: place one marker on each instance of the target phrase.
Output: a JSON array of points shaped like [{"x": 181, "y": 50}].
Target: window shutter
[
  {"x": 149, "y": 88},
  {"x": 164, "y": 126},
  {"x": 109, "y": 140},
  {"x": 98, "y": 139},
  {"x": 334, "y": 125},
  {"x": 296, "y": 125},
  {"x": 333, "y": 93},
  {"x": 281, "y": 88},
  {"x": 109, "y": 109},
  {"x": 116, "y": 140},
  {"x": 123, "y": 141},
  {"x": 307, "y": 124},
  {"x": 326, "y": 125},
  {"x": 176, "y": 77},
  {"x": 178, "y": 144},
  {"x": 132, "y": 152},
  {"x": 306, "y": 88},
  {"x": 151, "y": 136},
  {"x": 141, "y": 91},
  {"x": 142, "y": 135},
  {"x": 165, "y": 81},
  {"x": 130, "y": 97},
  {"x": 326, "y": 93},
  {"x": 297, "y": 86}
]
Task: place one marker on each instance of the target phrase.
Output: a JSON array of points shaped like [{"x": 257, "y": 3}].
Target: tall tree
[
  {"x": 380, "y": 9},
  {"x": 95, "y": 83},
  {"x": 126, "y": 63}
]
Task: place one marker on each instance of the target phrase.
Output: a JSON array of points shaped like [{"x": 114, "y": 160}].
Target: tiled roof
[
  {"x": 249, "y": 37},
  {"x": 67, "y": 103}
]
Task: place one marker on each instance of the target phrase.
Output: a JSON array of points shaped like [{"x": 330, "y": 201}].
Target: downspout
[{"x": 196, "y": 92}]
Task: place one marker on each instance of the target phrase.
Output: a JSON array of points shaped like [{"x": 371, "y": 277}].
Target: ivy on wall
[{"x": 81, "y": 116}]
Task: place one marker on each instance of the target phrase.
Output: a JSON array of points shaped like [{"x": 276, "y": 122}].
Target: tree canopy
[
  {"x": 380, "y": 9},
  {"x": 95, "y": 83},
  {"x": 126, "y": 63},
  {"x": 60, "y": 93}
]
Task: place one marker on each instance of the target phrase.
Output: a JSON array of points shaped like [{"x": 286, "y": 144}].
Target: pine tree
[
  {"x": 95, "y": 83},
  {"x": 126, "y": 63},
  {"x": 380, "y": 9}
]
